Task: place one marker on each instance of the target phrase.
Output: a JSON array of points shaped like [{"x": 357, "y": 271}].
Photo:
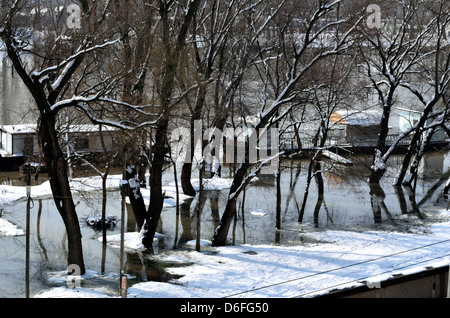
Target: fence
[{"x": 288, "y": 141}]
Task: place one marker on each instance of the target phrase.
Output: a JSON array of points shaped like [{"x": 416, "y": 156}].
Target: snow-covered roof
[
  {"x": 31, "y": 128},
  {"x": 19, "y": 129},
  {"x": 356, "y": 118},
  {"x": 409, "y": 110}
]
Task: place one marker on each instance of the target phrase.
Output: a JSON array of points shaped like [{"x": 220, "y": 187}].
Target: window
[{"x": 81, "y": 144}]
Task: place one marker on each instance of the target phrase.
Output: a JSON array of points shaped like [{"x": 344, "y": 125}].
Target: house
[
  {"x": 87, "y": 138},
  {"x": 18, "y": 140},
  {"x": 407, "y": 118},
  {"x": 355, "y": 128},
  {"x": 19, "y": 143},
  {"x": 348, "y": 129}
]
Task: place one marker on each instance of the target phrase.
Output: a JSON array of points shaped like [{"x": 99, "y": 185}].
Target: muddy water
[{"x": 347, "y": 204}]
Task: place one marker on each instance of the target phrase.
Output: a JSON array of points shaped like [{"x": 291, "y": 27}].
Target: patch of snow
[
  {"x": 343, "y": 259},
  {"x": 9, "y": 229},
  {"x": 66, "y": 292},
  {"x": 336, "y": 157},
  {"x": 132, "y": 240},
  {"x": 258, "y": 212},
  {"x": 338, "y": 259},
  {"x": 11, "y": 194},
  {"x": 214, "y": 184},
  {"x": 169, "y": 199},
  {"x": 360, "y": 118},
  {"x": 96, "y": 221},
  {"x": 162, "y": 290}
]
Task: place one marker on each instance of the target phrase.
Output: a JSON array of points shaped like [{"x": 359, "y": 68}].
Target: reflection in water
[
  {"x": 412, "y": 199},
  {"x": 401, "y": 199},
  {"x": 377, "y": 197},
  {"x": 141, "y": 267}
]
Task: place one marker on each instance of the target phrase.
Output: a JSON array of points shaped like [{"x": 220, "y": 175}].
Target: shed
[
  {"x": 18, "y": 140},
  {"x": 357, "y": 128}
]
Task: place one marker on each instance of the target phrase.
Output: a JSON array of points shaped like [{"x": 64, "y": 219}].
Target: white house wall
[
  {"x": 3, "y": 140},
  {"x": 8, "y": 145},
  {"x": 446, "y": 163},
  {"x": 18, "y": 144},
  {"x": 95, "y": 143}
]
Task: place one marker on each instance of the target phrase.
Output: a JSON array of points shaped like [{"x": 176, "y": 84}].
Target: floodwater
[{"x": 347, "y": 204}]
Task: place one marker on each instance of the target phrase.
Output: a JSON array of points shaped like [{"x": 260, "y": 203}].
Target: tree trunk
[
  {"x": 377, "y": 197},
  {"x": 412, "y": 149},
  {"x": 62, "y": 195},
  {"x": 447, "y": 187},
  {"x": 220, "y": 236},
  {"x": 306, "y": 193},
  {"x": 104, "y": 200},
  {"x": 278, "y": 195},
  {"x": 186, "y": 170},
  {"x": 156, "y": 194},
  {"x": 171, "y": 55},
  {"x": 185, "y": 179},
  {"x": 320, "y": 192},
  {"x": 378, "y": 167},
  {"x": 413, "y": 170},
  {"x": 314, "y": 164},
  {"x": 133, "y": 192}
]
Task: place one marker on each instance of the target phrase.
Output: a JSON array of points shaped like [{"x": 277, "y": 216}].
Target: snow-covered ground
[
  {"x": 337, "y": 259},
  {"x": 9, "y": 194},
  {"x": 332, "y": 259},
  {"x": 9, "y": 229}
]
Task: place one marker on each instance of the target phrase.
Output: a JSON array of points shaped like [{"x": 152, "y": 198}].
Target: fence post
[
  {"x": 448, "y": 281},
  {"x": 123, "y": 286}
]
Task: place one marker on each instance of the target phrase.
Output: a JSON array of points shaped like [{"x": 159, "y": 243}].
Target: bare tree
[
  {"x": 328, "y": 93},
  {"x": 175, "y": 20},
  {"x": 432, "y": 75},
  {"x": 211, "y": 35},
  {"x": 64, "y": 75},
  {"x": 304, "y": 52},
  {"x": 389, "y": 54}
]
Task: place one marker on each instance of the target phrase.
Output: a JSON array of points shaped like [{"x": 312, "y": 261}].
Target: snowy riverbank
[{"x": 336, "y": 259}]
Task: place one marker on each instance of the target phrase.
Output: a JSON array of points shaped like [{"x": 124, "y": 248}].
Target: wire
[{"x": 336, "y": 269}]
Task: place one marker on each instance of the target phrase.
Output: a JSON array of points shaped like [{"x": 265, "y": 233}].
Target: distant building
[
  {"x": 19, "y": 143},
  {"x": 407, "y": 118},
  {"x": 18, "y": 140},
  {"x": 356, "y": 128}
]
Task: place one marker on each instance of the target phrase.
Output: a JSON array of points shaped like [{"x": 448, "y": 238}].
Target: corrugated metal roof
[{"x": 356, "y": 118}]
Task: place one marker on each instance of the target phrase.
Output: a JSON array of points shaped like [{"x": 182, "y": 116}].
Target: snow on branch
[
  {"x": 66, "y": 63},
  {"x": 81, "y": 103}
]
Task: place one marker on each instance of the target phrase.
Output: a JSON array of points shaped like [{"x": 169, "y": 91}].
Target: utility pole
[
  {"x": 448, "y": 282},
  {"x": 124, "y": 182},
  {"x": 27, "y": 238}
]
